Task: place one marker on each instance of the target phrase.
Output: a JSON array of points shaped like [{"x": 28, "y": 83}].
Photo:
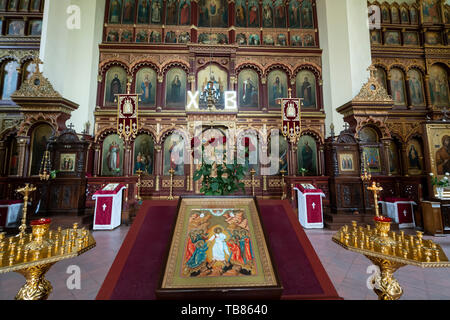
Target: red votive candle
[{"x": 40, "y": 222}]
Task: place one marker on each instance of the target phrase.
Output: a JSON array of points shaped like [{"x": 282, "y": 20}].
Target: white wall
[
  {"x": 345, "y": 40},
  {"x": 71, "y": 56}
]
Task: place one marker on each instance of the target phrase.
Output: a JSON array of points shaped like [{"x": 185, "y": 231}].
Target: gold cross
[{"x": 375, "y": 189}]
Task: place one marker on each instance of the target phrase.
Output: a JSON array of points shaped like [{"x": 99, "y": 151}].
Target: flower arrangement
[
  {"x": 303, "y": 171},
  {"x": 442, "y": 183},
  {"x": 219, "y": 177}
]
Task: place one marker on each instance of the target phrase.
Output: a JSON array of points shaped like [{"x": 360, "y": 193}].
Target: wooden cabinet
[{"x": 432, "y": 217}]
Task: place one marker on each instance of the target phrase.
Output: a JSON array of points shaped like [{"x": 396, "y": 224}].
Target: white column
[
  {"x": 71, "y": 55},
  {"x": 345, "y": 40}
]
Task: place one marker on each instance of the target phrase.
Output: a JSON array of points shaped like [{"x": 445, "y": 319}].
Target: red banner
[
  {"x": 291, "y": 117},
  {"x": 127, "y": 117}
]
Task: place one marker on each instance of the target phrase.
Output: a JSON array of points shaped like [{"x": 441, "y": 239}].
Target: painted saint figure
[
  {"x": 114, "y": 157},
  {"x": 156, "y": 12},
  {"x": 249, "y": 89},
  {"x": 278, "y": 90},
  {"x": 413, "y": 157},
  {"x": 143, "y": 11},
  {"x": 220, "y": 249},
  {"x": 443, "y": 156},
  {"x": 116, "y": 88},
  {"x": 185, "y": 12},
  {"x": 307, "y": 93}
]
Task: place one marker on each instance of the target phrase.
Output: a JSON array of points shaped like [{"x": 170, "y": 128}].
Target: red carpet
[{"x": 136, "y": 270}]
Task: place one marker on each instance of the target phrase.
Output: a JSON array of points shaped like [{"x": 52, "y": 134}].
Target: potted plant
[
  {"x": 219, "y": 177},
  {"x": 440, "y": 184},
  {"x": 303, "y": 171}
]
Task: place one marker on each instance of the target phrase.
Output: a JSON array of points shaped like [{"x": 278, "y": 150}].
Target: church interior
[{"x": 248, "y": 149}]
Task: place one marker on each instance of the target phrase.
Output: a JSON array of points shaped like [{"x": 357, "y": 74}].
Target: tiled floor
[{"x": 346, "y": 270}]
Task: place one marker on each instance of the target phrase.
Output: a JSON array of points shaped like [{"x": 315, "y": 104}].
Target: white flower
[
  {"x": 431, "y": 174},
  {"x": 447, "y": 174},
  {"x": 445, "y": 178}
]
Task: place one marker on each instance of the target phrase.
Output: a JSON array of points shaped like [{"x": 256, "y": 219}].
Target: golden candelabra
[
  {"x": 283, "y": 184},
  {"x": 389, "y": 250},
  {"x": 44, "y": 172},
  {"x": 138, "y": 196},
  {"x": 253, "y": 172},
  {"x": 32, "y": 255},
  {"x": 375, "y": 189},
  {"x": 25, "y": 191},
  {"x": 365, "y": 176},
  {"x": 171, "y": 172}
]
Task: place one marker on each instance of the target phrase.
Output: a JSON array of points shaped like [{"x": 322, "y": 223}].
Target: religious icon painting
[
  {"x": 385, "y": 15},
  {"x": 411, "y": 38},
  {"x": 431, "y": 11},
  {"x": 306, "y": 89},
  {"x": 433, "y": 38},
  {"x": 392, "y": 38},
  {"x": 171, "y": 37},
  {"x": 39, "y": 139},
  {"x": 23, "y": 5},
  {"x": 16, "y": 28},
  {"x": 13, "y": 158},
  {"x": 143, "y": 13},
  {"x": 174, "y": 154},
  {"x": 282, "y": 157},
  {"x": 241, "y": 39},
  {"x": 394, "y": 164},
  {"x": 115, "y": 11},
  {"x": 347, "y": 162},
  {"x": 309, "y": 40},
  {"x": 185, "y": 13},
  {"x": 217, "y": 244},
  {"x": 372, "y": 159},
  {"x": 296, "y": 40},
  {"x": 249, "y": 141},
  {"x": 146, "y": 80},
  {"x": 35, "y": 28},
  {"x": 143, "y": 154},
  {"x": 254, "y": 39},
  {"x": 172, "y": 12},
  {"x": 415, "y": 157},
  {"x": 67, "y": 162},
  {"x": 282, "y": 40},
  {"x": 414, "y": 16},
  {"x": 375, "y": 37},
  {"x": 35, "y": 5},
  {"x": 307, "y": 14},
  {"x": 3, "y": 4},
  {"x": 156, "y": 13},
  {"x": 277, "y": 83},
  {"x": 398, "y": 91},
  {"x": 294, "y": 14},
  {"x": 176, "y": 88},
  {"x": 112, "y": 156},
  {"x": 253, "y": 14},
  {"x": 113, "y": 36},
  {"x": 215, "y": 78},
  {"x": 115, "y": 83},
  {"x": 155, "y": 36},
  {"x": 439, "y": 89},
  {"x": 394, "y": 15},
  {"x": 268, "y": 40},
  {"x": 10, "y": 79},
  {"x": 279, "y": 14},
  {"x": 127, "y": 36},
  {"x": 416, "y": 90},
  {"x": 307, "y": 155},
  {"x": 267, "y": 14},
  {"x": 184, "y": 37},
  {"x": 128, "y": 11},
  {"x": 204, "y": 38},
  {"x": 404, "y": 15},
  {"x": 248, "y": 84},
  {"x": 381, "y": 77},
  {"x": 142, "y": 36},
  {"x": 368, "y": 135},
  {"x": 13, "y": 5},
  {"x": 213, "y": 13},
  {"x": 241, "y": 13},
  {"x": 439, "y": 148}
]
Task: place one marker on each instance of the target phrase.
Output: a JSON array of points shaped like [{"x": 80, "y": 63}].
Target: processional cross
[{"x": 375, "y": 189}]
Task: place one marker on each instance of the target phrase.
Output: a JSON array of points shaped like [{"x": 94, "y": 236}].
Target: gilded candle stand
[
  {"x": 32, "y": 255},
  {"x": 390, "y": 251}
]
